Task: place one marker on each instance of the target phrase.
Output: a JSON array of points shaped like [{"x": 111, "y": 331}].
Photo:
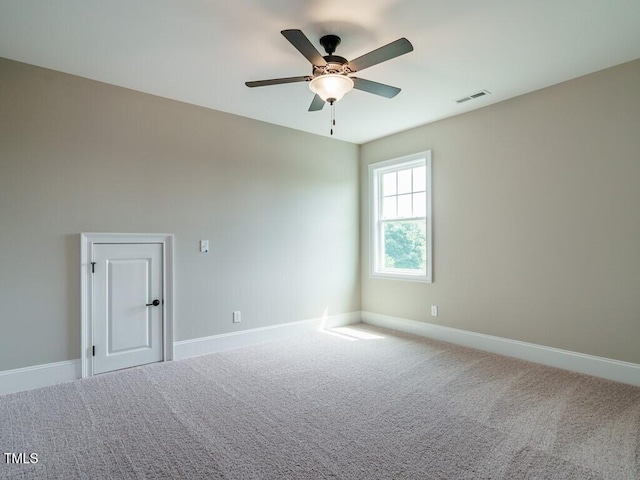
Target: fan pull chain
[{"x": 333, "y": 116}]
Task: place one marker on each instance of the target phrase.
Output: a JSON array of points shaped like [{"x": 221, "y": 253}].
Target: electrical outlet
[
  {"x": 236, "y": 317},
  {"x": 434, "y": 310},
  {"x": 204, "y": 246}
]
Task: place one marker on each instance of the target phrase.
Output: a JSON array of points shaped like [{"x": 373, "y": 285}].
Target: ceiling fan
[{"x": 331, "y": 74}]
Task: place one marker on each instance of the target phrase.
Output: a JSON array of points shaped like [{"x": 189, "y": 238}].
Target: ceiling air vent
[{"x": 479, "y": 94}]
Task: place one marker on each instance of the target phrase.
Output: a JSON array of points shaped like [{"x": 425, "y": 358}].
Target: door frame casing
[{"x": 87, "y": 241}]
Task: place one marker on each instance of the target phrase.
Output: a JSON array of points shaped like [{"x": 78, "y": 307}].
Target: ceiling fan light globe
[{"x": 331, "y": 86}]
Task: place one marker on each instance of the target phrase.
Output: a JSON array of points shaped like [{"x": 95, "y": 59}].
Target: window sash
[{"x": 381, "y": 251}]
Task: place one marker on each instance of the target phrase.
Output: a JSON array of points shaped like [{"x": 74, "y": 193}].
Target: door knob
[{"x": 155, "y": 303}]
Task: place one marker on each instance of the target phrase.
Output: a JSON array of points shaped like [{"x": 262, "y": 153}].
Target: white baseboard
[
  {"x": 28, "y": 378},
  {"x": 243, "y": 338},
  {"x": 37, "y": 376},
  {"x": 59, "y": 372},
  {"x": 616, "y": 370}
]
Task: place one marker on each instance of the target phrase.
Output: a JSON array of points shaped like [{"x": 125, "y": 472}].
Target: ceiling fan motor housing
[{"x": 335, "y": 63}]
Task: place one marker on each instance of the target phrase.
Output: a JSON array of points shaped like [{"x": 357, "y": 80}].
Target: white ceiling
[{"x": 202, "y": 51}]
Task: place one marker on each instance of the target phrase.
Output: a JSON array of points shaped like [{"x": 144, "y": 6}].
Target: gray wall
[
  {"x": 280, "y": 209},
  {"x": 536, "y": 218}
]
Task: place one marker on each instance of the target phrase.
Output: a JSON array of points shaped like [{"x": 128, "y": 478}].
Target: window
[{"x": 401, "y": 218}]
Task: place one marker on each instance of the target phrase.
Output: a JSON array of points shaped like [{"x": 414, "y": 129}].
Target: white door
[{"x": 127, "y": 305}]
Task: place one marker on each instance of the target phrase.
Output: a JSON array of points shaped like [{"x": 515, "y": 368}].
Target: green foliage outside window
[{"x": 404, "y": 245}]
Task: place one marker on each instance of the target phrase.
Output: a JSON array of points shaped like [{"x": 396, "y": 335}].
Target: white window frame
[{"x": 376, "y": 170}]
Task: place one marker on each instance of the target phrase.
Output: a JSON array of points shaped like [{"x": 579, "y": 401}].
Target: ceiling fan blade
[
  {"x": 304, "y": 46},
  {"x": 316, "y": 104},
  {"x": 382, "y": 54},
  {"x": 277, "y": 81},
  {"x": 374, "y": 87}
]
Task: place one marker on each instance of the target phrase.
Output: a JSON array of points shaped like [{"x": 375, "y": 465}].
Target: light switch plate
[{"x": 204, "y": 246}]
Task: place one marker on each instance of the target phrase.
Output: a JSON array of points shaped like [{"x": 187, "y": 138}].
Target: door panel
[
  {"x": 127, "y": 332},
  {"x": 128, "y": 319}
]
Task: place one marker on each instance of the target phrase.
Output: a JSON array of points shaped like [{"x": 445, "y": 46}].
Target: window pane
[
  {"x": 389, "y": 207},
  {"x": 419, "y": 179},
  {"x": 419, "y": 204},
  {"x": 404, "y": 206},
  {"x": 404, "y": 181},
  {"x": 389, "y": 184},
  {"x": 405, "y": 245}
]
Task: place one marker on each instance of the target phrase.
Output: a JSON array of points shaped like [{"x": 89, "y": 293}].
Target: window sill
[{"x": 407, "y": 277}]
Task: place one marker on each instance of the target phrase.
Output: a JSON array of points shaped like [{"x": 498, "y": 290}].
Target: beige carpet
[{"x": 356, "y": 403}]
